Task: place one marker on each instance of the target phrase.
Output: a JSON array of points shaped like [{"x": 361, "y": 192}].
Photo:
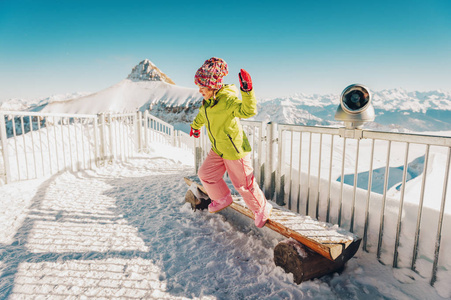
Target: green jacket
[{"x": 221, "y": 119}]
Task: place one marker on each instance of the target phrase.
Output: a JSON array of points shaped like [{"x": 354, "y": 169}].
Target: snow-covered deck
[{"x": 124, "y": 231}]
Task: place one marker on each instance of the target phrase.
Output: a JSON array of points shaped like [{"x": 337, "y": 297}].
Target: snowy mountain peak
[{"x": 147, "y": 71}]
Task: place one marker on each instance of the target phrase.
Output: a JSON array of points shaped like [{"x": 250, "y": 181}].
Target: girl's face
[{"x": 207, "y": 93}]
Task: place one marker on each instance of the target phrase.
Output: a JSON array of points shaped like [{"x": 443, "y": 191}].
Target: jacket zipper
[
  {"x": 209, "y": 129},
  {"x": 233, "y": 143}
]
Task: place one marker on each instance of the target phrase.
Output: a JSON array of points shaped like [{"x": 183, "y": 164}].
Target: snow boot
[
  {"x": 218, "y": 205},
  {"x": 262, "y": 215}
]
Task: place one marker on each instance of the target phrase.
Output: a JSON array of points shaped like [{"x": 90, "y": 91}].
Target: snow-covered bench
[{"x": 316, "y": 248}]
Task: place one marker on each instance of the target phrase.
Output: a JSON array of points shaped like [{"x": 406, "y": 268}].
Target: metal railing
[
  {"x": 357, "y": 179},
  {"x": 35, "y": 144},
  {"x": 354, "y": 178},
  {"x": 38, "y": 144}
]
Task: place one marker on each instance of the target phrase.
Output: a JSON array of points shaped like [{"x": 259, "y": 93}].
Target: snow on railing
[
  {"x": 38, "y": 144},
  {"x": 388, "y": 188}
]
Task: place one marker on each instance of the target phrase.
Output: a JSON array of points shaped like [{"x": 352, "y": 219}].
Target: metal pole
[
  {"x": 356, "y": 170},
  {"x": 32, "y": 147},
  {"x": 115, "y": 135},
  {"x": 146, "y": 129},
  {"x": 420, "y": 209},
  {"x": 83, "y": 147},
  {"x": 291, "y": 171},
  {"x": 440, "y": 220},
  {"x": 76, "y": 145},
  {"x": 40, "y": 145},
  {"x": 69, "y": 126},
  {"x": 307, "y": 203},
  {"x": 5, "y": 151},
  {"x": 24, "y": 146},
  {"x": 89, "y": 146},
  {"x": 123, "y": 138},
  {"x": 319, "y": 173},
  {"x": 401, "y": 203},
  {"x": 111, "y": 137},
  {"x": 330, "y": 176},
  {"x": 96, "y": 141},
  {"x": 253, "y": 132},
  {"x": 367, "y": 208},
  {"x": 120, "y": 136},
  {"x": 56, "y": 145},
  {"x": 342, "y": 181},
  {"x": 62, "y": 142},
  {"x": 269, "y": 192},
  {"x": 172, "y": 131},
  {"x": 278, "y": 175},
  {"x": 47, "y": 127},
  {"x": 138, "y": 124},
  {"x": 384, "y": 198},
  {"x": 128, "y": 135},
  {"x": 261, "y": 175},
  {"x": 16, "y": 149},
  {"x": 298, "y": 205}
]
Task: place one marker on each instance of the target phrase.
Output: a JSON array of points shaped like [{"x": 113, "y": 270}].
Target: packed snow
[{"x": 124, "y": 230}]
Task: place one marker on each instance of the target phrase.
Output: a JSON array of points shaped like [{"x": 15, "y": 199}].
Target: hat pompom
[{"x": 211, "y": 73}]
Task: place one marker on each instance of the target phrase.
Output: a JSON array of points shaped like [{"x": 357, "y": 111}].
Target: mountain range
[{"x": 147, "y": 87}]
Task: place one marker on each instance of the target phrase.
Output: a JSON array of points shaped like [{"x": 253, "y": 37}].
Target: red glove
[
  {"x": 245, "y": 81},
  {"x": 194, "y": 132}
]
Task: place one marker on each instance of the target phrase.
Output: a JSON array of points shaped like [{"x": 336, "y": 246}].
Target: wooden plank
[{"x": 323, "y": 238}]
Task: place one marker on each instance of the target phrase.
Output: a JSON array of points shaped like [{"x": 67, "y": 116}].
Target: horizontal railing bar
[
  {"x": 182, "y": 134},
  {"x": 409, "y": 138},
  {"x": 368, "y": 134},
  {"x": 124, "y": 115},
  {"x": 250, "y": 123},
  {"x": 159, "y": 121},
  {"x": 312, "y": 129},
  {"x": 38, "y": 114}
]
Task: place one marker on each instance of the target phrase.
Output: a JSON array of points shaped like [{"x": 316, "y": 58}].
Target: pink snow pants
[{"x": 241, "y": 174}]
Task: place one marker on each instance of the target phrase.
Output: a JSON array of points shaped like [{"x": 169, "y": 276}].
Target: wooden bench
[{"x": 317, "y": 248}]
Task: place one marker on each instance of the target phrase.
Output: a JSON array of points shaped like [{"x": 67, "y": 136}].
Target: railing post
[
  {"x": 138, "y": 130},
  {"x": 178, "y": 139},
  {"x": 111, "y": 137},
  {"x": 103, "y": 140},
  {"x": 96, "y": 140},
  {"x": 270, "y": 168},
  {"x": 279, "y": 179},
  {"x": 440, "y": 220},
  {"x": 261, "y": 169},
  {"x": 146, "y": 129},
  {"x": 197, "y": 152},
  {"x": 175, "y": 138},
  {"x": 172, "y": 133},
  {"x": 4, "y": 139}
]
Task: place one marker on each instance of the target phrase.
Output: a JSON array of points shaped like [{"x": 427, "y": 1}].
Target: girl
[{"x": 220, "y": 112}]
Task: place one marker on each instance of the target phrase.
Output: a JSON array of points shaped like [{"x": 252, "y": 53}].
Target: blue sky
[{"x": 56, "y": 47}]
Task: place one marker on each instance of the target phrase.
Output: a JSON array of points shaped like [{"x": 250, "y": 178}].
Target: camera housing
[{"x": 355, "y": 106}]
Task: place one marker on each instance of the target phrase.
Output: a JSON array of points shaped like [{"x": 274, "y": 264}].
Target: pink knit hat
[{"x": 211, "y": 73}]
